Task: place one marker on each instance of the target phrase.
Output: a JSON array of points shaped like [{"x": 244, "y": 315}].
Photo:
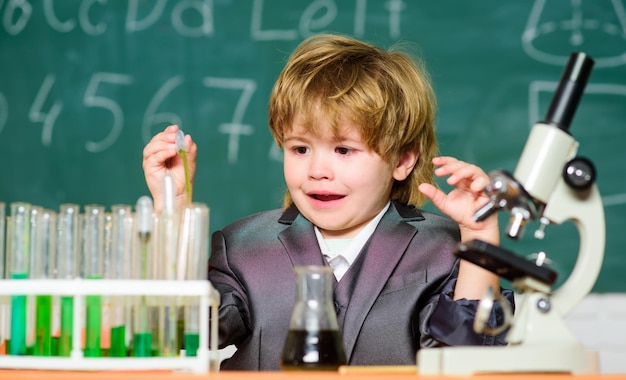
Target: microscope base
[{"x": 466, "y": 360}]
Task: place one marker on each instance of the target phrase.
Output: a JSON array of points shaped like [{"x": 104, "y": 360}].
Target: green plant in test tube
[
  {"x": 67, "y": 260},
  {"x": 19, "y": 252},
  {"x": 92, "y": 251},
  {"x": 182, "y": 148},
  {"x": 192, "y": 257}
]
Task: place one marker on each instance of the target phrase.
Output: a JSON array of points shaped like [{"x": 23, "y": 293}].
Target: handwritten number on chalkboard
[
  {"x": 235, "y": 128},
  {"x": 152, "y": 118},
  {"x": 92, "y": 100},
  {"x": 37, "y": 115}
]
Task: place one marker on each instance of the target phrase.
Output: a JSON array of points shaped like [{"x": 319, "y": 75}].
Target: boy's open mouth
[{"x": 326, "y": 197}]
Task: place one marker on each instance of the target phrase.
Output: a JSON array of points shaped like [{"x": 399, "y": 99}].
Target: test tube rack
[{"x": 205, "y": 361}]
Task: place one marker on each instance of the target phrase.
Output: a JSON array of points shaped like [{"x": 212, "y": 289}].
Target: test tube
[
  {"x": 19, "y": 251},
  {"x": 119, "y": 268},
  {"x": 182, "y": 148},
  {"x": 67, "y": 261},
  {"x": 6, "y": 328},
  {"x": 106, "y": 300},
  {"x": 93, "y": 243},
  {"x": 193, "y": 256},
  {"x": 155, "y": 302},
  {"x": 142, "y": 336},
  {"x": 168, "y": 224},
  {"x": 4, "y": 316},
  {"x": 34, "y": 247},
  {"x": 42, "y": 264},
  {"x": 2, "y": 234}
]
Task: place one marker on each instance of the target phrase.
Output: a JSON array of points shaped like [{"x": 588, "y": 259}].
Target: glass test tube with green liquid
[
  {"x": 34, "y": 244},
  {"x": 155, "y": 302},
  {"x": 67, "y": 260},
  {"x": 92, "y": 249},
  {"x": 43, "y": 241},
  {"x": 19, "y": 252},
  {"x": 193, "y": 249},
  {"x": 142, "y": 336},
  {"x": 4, "y": 317},
  {"x": 118, "y": 267}
]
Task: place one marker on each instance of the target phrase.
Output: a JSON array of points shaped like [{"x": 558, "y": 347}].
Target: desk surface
[{"x": 378, "y": 375}]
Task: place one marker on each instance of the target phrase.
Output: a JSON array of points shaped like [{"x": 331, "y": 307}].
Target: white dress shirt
[{"x": 341, "y": 253}]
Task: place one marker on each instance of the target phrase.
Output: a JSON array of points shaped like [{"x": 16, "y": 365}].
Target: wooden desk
[{"x": 378, "y": 375}]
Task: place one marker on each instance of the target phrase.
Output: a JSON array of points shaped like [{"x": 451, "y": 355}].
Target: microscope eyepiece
[{"x": 569, "y": 91}]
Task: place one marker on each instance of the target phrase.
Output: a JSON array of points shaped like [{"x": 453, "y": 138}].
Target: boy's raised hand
[
  {"x": 160, "y": 156},
  {"x": 461, "y": 203}
]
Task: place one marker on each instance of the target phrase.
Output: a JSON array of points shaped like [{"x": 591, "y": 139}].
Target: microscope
[{"x": 550, "y": 185}]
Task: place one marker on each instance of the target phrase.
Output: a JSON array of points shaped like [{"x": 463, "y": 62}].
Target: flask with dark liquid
[{"x": 313, "y": 340}]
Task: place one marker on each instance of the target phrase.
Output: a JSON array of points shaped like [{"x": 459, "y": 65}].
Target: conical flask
[{"x": 313, "y": 340}]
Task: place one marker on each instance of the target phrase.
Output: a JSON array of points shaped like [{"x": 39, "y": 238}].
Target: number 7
[{"x": 235, "y": 128}]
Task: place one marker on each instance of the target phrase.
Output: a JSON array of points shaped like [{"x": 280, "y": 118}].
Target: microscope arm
[{"x": 585, "y": 210}]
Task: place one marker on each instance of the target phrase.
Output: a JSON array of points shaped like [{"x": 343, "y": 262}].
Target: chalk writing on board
[
  {"x": 321, "y": 14},
  {"x": 38, "y": 115},
  {"x": 235, "y": 128},
  {"x": 90, "y": 99},
  {"x": 152, "y": 117},
  {"x": 575, "y": 30},
  {"x": 317, "y": 15},
  {"x": 18, "y": 13}
]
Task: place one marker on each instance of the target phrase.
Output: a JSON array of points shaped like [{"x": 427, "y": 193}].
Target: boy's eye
[
  {"x": 300, "y": 149},
  {"x": 343, "y": 150}
]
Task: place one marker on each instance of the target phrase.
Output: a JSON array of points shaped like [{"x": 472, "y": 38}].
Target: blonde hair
[{"x": 385, "y": 93}]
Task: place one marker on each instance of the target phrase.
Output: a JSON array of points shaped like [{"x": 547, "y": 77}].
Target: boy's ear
[{"x": 405, "y": 166}]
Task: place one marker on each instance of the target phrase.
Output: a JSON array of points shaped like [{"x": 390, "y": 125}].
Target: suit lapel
[
  {"x": 377, "y": 260},
  {"x": 300, "y": 242}
]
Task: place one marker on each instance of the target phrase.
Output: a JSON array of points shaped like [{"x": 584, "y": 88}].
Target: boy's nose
[{"x": 320, "y": 167}]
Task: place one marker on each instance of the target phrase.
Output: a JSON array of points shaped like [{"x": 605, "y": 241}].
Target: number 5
[{"x": 91, "y": 100}]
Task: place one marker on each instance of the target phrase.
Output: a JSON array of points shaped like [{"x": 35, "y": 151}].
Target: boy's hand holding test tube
[{"x": 162, "y": 155}]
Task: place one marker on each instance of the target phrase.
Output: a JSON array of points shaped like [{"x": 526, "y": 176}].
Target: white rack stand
[{"x": 206, "y": 359}]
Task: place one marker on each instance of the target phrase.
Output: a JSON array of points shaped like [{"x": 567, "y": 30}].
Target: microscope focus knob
[{"x": 579, "y": 173}]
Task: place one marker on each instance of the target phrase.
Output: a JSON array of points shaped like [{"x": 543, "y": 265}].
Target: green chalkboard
[{"x": 85, "y": 84}]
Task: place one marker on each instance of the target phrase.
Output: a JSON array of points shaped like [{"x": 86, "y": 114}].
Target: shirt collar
[{"x": 352, "y": 250}]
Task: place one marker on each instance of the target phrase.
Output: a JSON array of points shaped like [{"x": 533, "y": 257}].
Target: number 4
[{"x": 36, "y": 115}]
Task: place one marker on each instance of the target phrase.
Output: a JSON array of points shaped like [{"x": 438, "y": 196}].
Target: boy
[{"x": 356, "y": 124}]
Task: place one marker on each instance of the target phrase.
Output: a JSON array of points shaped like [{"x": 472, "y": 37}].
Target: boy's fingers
[{"x": 436, "y": 196}]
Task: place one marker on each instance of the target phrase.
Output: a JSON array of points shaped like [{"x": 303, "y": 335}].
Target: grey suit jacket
[{"x": 384, "y": 302}]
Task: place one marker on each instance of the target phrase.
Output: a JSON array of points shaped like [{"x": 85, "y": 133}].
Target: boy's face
[{"x": 339, "y": 184}]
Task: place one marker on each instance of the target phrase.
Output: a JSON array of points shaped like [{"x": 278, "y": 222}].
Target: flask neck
[{"x": 314, "y": 284}]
